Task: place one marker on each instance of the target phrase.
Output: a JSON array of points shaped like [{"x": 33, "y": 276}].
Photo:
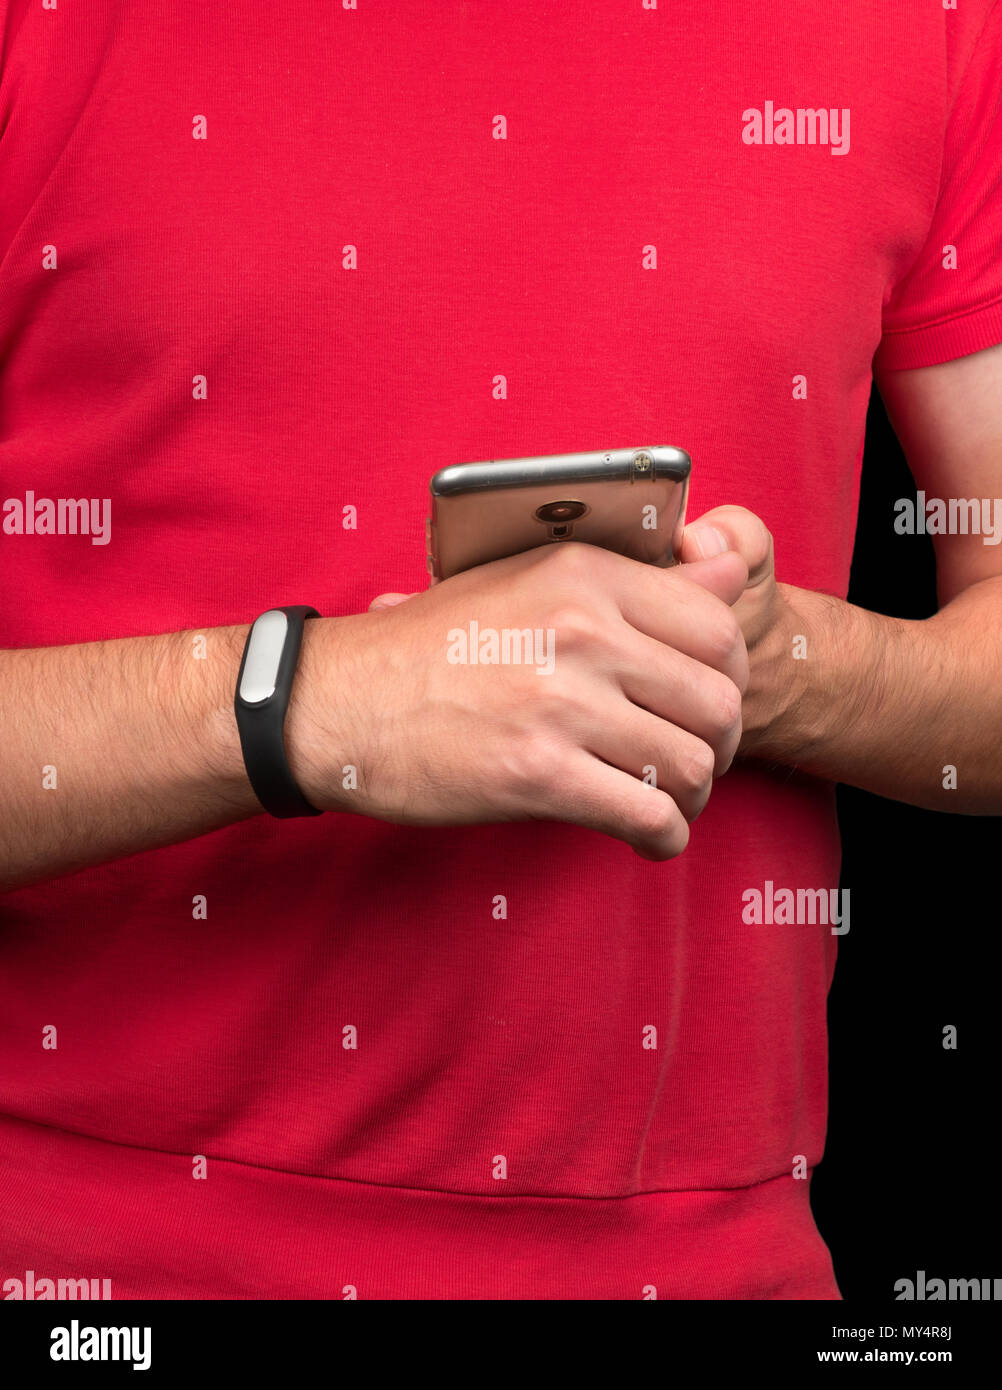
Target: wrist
[
  {"x": 776, "y": 703},
  {"x": 193, "y": 684},
  {"x": 317, "y": 716},
  {"x": 830, "y": 679}
]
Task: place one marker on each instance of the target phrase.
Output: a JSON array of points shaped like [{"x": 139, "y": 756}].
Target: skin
[
  {"x": 649, "y": 672},
  {"x": 886, "y": 703},
  {"x": 649, "y": 668}
]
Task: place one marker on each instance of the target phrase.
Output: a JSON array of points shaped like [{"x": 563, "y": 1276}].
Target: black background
[{"x": 907, "y": 1181}]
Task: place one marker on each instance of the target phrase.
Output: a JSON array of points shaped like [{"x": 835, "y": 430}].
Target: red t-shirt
[{"x": 621, "y": 1086}]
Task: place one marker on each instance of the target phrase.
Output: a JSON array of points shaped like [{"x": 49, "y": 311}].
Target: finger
[
  {"x": 388, "y": 601},
  {"x": 724, "y": 575},
  {"x": 600, "y": 797},
  {"x": 650, "y": 748},
  {"x": 684, "y": 612},
  {"x": 673, "y": 686},
  {"x": 734, "y": 528}
]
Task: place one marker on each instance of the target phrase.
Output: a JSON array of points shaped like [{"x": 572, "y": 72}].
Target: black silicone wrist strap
[{"x": 261, "y": 724}]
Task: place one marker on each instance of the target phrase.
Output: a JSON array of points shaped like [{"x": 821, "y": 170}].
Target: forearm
[
  {"x": 111, "y": 748},
  {"x": 886, "y": 704}
]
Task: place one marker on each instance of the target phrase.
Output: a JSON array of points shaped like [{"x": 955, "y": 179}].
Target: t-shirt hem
[
  {"x": 929, "y": 345},
  {"x": 74, "y": 1207}
]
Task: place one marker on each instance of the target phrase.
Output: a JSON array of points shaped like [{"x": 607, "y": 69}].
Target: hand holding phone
[{"x": 565, "y": 683}]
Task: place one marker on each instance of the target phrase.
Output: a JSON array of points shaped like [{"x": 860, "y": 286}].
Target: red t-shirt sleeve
[{"x": 936, "y": 313}]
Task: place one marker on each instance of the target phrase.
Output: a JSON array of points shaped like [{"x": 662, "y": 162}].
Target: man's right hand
[{"x": 649, "y": 666}]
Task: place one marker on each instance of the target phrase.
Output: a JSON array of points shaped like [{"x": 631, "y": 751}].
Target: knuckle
[
  {"x": 727, "y": 708},
  {"x": 531, "y": 765},
  {"x": 758, "y": 537},
  {"x": 568, "y": 558},
  {"x": 723, "y": 636},
  {"x": 739, "y": 513},
  {"x": 550, "y": 703},
  {"x": 654, "y": 817},
  {"x": 695, "y": 770},
  {"x": 659, "y": 831},
  {"x": 573, "y": 624}
]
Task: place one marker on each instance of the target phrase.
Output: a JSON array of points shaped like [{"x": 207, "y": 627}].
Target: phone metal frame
[{"x": 599, "y": 477}]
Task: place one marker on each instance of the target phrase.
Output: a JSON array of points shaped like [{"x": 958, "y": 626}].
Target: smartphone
[{"x": 631, "y": 501}]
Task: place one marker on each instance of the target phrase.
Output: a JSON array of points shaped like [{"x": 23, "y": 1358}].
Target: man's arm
[
  {"x": 111, "y": 748},
  {"x": 878, "y": 702}
]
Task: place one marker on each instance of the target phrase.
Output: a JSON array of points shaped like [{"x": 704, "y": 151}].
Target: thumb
[
  {"x": 724, "y": 575},
  {"x": 731, "y": 528}
]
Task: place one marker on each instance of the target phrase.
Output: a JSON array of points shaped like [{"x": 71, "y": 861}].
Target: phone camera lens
[{"x": 556, "y": 513}]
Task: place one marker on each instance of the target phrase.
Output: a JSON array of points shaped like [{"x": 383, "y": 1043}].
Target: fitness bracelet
[{"x": 264, "y": 685}]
